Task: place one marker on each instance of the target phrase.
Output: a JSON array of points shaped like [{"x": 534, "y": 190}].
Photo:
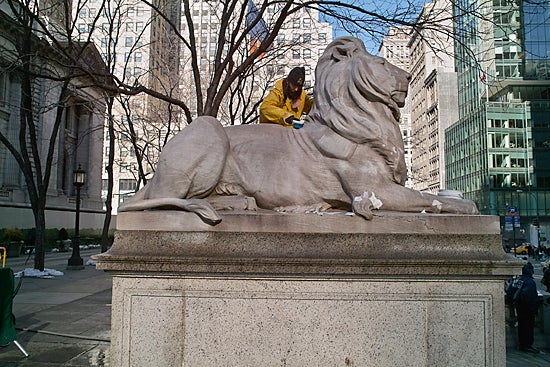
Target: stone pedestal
[{"x": 270, "y": 289}]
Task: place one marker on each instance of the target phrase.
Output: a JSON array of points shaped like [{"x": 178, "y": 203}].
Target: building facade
[
  {"x": 141, "y": 48},
  {"x": 394, "y": 48},
  {"x": 497, "y": 152},
  {"x": 433, "y": 94},
  {"x": 164, "y": 53},
  {"x": 79, "y": 113}
]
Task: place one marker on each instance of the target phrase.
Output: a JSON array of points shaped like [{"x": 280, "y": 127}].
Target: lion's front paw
[{"x": 364, "y": 204}]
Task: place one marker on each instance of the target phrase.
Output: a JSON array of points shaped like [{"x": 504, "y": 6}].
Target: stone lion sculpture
[{"x": 348, "y": 156}]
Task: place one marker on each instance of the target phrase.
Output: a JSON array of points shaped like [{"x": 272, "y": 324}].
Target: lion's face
[
  {"x": 358, "y": 95},
  {"x": 346, "y": 64},
  {"x": 387, "y": 78}
]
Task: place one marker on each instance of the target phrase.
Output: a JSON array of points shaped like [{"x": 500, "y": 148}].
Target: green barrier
[{"x": 7, "y": 320}]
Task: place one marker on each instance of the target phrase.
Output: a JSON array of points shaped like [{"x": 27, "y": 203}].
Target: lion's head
[{"x": 358, "y": 95}]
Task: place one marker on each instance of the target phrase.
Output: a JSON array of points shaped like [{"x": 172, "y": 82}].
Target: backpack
[{"x": 512, "y": 290}]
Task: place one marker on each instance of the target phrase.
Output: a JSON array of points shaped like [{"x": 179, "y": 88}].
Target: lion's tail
[{"x": 200, "y": 207}]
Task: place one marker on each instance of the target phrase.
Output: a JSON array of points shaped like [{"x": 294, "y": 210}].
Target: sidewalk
[
  {"x": 76, "y": 309},
  {"x": 69, "y": 315}
]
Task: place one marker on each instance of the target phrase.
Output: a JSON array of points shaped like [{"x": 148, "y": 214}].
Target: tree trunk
[
  {"x": 110, "y": 178},
  {"x": 39, "y": 249}
]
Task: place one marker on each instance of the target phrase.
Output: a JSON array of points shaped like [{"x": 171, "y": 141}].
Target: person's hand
[
  {"x": 296, "y": 123},
  {"x": 290, "y": 120}
]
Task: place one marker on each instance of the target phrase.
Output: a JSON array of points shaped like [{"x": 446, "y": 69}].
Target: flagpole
[{"x": 487, "y": 85}]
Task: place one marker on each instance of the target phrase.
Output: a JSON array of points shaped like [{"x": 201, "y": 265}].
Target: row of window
[
  {"x": 92, "y": 12},
  {"x": 123, "y": 184},
  {"x": 105, "y": 27},
  {"x": 507, "y": 123}
]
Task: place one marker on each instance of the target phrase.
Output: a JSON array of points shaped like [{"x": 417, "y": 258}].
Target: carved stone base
[{"x": 268, "y": 289}]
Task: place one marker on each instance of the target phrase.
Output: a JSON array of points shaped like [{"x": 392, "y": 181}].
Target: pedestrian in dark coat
[
  {"x": 526, "y": 309},
  {"x": 546, "y": 279}
]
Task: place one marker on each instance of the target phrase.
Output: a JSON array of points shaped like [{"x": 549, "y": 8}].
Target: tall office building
[
  {"x": 497, "y": 153},
  {"x": 394, "y": 48},
  {"x": 149, "y": 52},
  {"x": 433, "y": 89},
  {"x": 141, "y": 48}
]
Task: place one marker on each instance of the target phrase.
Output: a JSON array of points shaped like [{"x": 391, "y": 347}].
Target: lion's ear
[
  {"x": 343, "y": 52},
  {"x": 345, "y": 48}
]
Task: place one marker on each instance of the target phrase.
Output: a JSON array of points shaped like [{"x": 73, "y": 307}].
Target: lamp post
[{"x": 75, "y": 261}]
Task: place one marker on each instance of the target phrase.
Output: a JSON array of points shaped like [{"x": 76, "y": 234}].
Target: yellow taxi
[{"x": 520, "y": 250}]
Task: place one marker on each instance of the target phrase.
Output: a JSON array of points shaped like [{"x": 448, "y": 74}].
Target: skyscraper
[
  {"x": 433, "y": 94},
  {"x": 497, "y": 153},
  {"x": 394, "y": 48},
  {"x": 155, "y": 48}
]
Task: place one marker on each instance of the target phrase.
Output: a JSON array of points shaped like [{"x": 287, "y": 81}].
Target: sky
[{"x": 375, "y": 29}]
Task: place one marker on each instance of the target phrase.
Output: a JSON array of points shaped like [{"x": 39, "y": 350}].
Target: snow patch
[
  {"x": 35, "y": 273},
  {"x": 376, "y": 203},
  {"x": 437, "y": 204}
]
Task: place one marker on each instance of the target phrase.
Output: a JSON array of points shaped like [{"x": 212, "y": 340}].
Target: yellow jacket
[{"x": 273, "y": 110}]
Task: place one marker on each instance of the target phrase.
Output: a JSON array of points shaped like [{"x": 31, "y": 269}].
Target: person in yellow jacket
[{"x": 287, "y": 101}]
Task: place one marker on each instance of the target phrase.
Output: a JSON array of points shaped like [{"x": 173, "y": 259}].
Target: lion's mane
[{"x": 347, "y": 100}]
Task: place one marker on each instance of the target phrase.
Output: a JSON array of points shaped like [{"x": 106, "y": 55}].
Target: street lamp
[{"x": 75, "y": 261}]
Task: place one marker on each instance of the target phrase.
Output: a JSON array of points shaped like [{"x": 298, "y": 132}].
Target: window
[
  {"x": 140, "y": 10},
  {"x": 130, "y": 27},
  {"x": 296, "y": 38},
  {"x": 307, "y": 54},
  {"x": 139, "y": 26},
  {"x": 295, "y": 54},
  {"x": 137, "y": 71},
  {"x": 82, "y": 13},
  {"x": 128, "y": 41},
  {"x": 307, "y": 37},
  {"x": 296, "y": 23},
  {"x": 93, "y": 12},
  {"x": 81, "y": 28},
  {"x": 137, "y": 57},
  {"x": 131, "y": 11},
  {"x": 307, "y": 23},
  {"x": 127, "y": 184},
  {"x": 4, "y": 89},
  {"x": 322, "y": 37}
]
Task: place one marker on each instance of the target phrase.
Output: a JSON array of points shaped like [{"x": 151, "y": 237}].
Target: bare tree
[{"x": 43, "y": 59}]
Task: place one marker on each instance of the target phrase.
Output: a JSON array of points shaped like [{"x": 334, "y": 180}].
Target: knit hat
[
  {"x": 297, "y": 76},
  {"x": 528, "y": 269}
]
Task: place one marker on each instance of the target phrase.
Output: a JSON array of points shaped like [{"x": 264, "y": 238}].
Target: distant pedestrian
[
  {"x": 527, "y": 303},
  {"x": 546, "y": 279}
]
